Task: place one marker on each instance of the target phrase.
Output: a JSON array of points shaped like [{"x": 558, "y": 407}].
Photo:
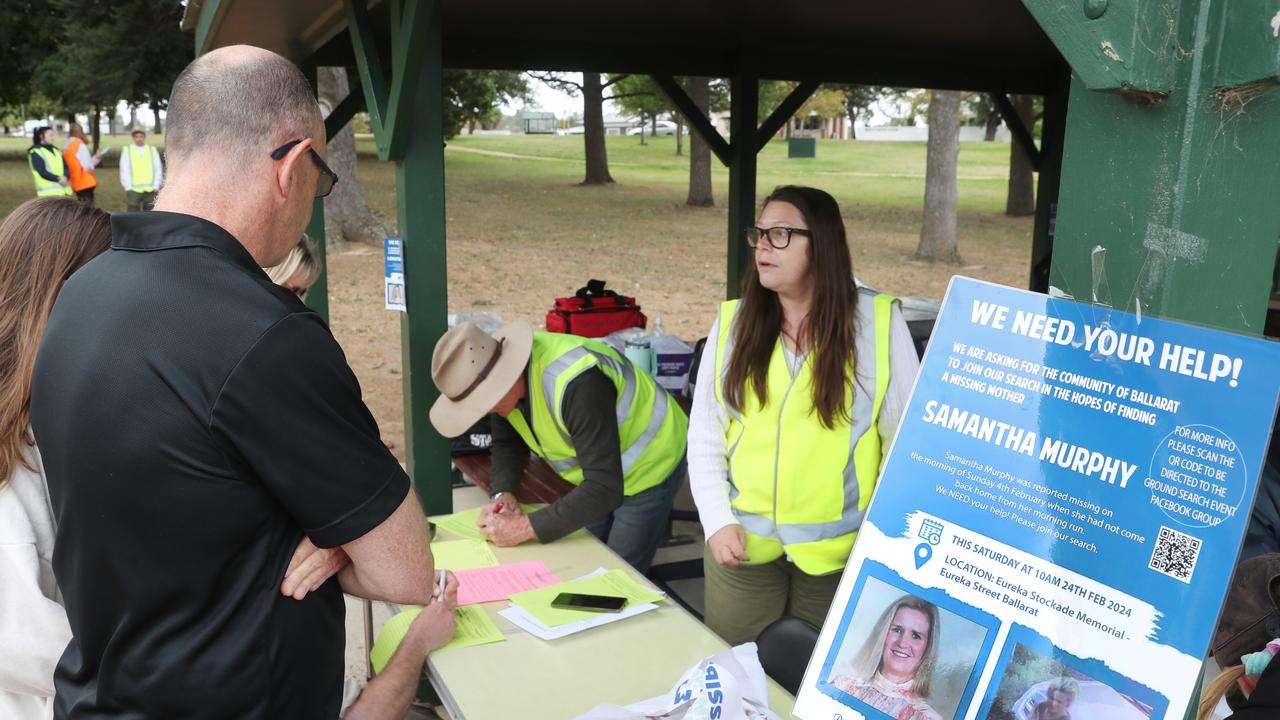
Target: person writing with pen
[{"x": 600, "y": 421}]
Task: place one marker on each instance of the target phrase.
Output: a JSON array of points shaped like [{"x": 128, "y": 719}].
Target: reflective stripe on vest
[
  {"x": 784, "y": 465},
  {"x": 142, "y": 176},
  {"x": 81, "y": 178},
  {"x": 54, "y": 166},
  {"x": 651, "y": 427}
]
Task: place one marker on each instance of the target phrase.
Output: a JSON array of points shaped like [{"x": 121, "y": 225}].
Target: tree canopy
[
  {"x": 475, "y": 97},
  {"x": 81, "y": 55},
  {"x": 105, "y": 52},
  {"x": 639, "y": 95}
]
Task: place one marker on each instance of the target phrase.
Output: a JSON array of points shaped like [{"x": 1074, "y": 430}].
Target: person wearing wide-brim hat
[{"x": 600, "y": 421}]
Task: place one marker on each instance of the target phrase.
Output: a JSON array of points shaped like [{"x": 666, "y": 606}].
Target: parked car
[
  {"x": 665, "y": 127},
  {"x": 575, "y": 130}
]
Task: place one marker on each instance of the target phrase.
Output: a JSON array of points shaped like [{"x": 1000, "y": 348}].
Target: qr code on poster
[{"x": 1175, "y": 554}]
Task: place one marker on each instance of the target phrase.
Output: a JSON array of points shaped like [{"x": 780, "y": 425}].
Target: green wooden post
[
  {"x": 1047, "y": 185},
  {"x": 1168, "y": 200},
  {"x": 408, "y": 125},
  {"x": 420, "y": 213},
  {"x": 318, "y": 294},
  {"x": 744, "y": 96}
]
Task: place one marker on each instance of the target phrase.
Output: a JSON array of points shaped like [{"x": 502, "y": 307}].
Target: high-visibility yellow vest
[
  {"x": 796, "y": 487},
  {"x": 53, "y": 165},
  {"x": 142, "y": 176},
  {"x": 651, "y": 426}
]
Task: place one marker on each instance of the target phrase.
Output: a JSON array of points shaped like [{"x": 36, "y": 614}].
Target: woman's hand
[
  {"x": 729, "y": 546},
  {"x": 310, "y": 568}
]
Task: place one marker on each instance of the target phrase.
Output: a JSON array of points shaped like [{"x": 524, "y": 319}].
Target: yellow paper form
[
  {"x": 615, "y": 582},
  {"x": 463, "y": 524},
  {"x": 463, "y": 554},
  {"x": 473, "y": 628}
]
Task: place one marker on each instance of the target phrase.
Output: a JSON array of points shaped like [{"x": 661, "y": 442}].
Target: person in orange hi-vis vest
[{"x": 80, "y": 164}]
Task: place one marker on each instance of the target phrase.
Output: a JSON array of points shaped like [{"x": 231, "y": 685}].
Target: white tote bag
[{"x": 726, "y": 686}]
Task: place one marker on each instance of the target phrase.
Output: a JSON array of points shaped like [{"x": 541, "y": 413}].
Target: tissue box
[{"x": 675, "y": 357}]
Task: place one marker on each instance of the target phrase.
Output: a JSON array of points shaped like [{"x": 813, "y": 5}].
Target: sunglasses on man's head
[{"x": 328, "y": 178}]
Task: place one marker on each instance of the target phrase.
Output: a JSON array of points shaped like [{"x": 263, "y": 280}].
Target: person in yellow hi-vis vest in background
[
  {"x": 799, "y": 391},
  {"x": 602, "y": 422},
  {"x": 47, "y": 168},
  {"x": 141, "y": 173}
]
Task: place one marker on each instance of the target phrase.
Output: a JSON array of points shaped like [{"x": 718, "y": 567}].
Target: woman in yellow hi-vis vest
[
  {"x": 45, "y": 162},
  {"x": 799, "y": 391}
]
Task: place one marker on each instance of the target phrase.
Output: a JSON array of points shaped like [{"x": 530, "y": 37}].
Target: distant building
[
  {"x": 720, "y": 120},
  {"x": 618, "y": 125},
  {"x": 538, "y": 122}
]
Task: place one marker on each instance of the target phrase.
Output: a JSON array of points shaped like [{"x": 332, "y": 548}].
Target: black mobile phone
[{"x": 592, "y": 603}]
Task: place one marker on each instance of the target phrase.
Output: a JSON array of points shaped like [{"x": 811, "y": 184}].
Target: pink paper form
[{"x": 491, "y": 584}]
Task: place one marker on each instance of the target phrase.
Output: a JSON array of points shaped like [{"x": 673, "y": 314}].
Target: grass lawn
[{"x": 522, "y": 231}]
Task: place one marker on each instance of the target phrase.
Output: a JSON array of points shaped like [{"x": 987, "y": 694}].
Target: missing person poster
[
  {"x": 1056, "y": 522},
  {"x": 393, "y": 276}
]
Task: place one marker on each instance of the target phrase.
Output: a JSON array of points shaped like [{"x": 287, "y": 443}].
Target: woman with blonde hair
[
  {"x": 299, "y": 270},
  {"x": 893, "y": 671},
  {"x": 1245, "y": 642},
  {"x": 42, "y": 243},
  {"x": 80, "y": 164}
]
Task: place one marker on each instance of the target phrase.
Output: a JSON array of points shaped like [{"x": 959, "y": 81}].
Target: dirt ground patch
[{"x": 518, "y": 240}]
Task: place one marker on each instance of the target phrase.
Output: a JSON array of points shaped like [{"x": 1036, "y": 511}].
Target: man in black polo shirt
[{"x": 195, "y": 421}]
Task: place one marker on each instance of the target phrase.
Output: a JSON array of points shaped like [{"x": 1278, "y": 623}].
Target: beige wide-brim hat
[{"x": 474, "y": 370}]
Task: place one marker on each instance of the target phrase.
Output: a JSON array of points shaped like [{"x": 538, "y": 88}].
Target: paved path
[{"x": 850, "y": 173}]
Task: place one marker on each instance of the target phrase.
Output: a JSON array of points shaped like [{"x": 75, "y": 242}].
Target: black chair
[{"x": 784, "y": 649}]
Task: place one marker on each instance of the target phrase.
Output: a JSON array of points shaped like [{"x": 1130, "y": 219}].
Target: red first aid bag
[{"x": 594, "y": 312}]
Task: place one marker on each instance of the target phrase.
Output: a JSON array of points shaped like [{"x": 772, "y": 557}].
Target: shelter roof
[{"x": 973, "y": 45}]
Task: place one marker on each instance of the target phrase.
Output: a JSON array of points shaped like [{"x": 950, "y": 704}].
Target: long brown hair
[
  {"x": 42, "y": 242},
  {"x": 77, "y": 131},
  {"x": 829, "y": 326}
]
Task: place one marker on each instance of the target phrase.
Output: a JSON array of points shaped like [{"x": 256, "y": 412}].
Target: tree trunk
[
  {"x": 993, "y": 121},
  {"x": 1021, "y": 200},
  {"x": 679, "y": 136},
  {"x": 133, "y": 116},
  {"x": 853, "y": 126},
  {"x": 938, "y": 231},
  {"x": 155, "y": 111},
  {"x": 699, "y": 151},
  {"x": 347, "y": 217},
  {"x": 593, "y": 131},
  {"x": 642, "y": 142},
  {"x": 94, "y": 124}
]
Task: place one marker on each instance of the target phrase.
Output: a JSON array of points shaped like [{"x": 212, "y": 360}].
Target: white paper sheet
[{"x": 531, "y": 625}]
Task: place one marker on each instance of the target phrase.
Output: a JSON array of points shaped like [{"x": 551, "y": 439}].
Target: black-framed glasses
[
  {"x": 778, "y": 237},
  {"x": 328, "y": 178}
]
